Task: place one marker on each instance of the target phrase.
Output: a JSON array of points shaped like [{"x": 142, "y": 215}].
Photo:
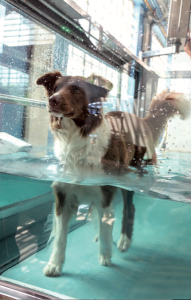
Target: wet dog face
[{"x": 70, "y": 96}]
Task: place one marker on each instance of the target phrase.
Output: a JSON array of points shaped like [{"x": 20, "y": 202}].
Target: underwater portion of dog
[{"x": 87, "y": 140}]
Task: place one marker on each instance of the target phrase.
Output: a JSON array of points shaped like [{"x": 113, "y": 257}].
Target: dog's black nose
[{"x": 53, "y": 101}]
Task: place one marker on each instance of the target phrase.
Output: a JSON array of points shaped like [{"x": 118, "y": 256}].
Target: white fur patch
[
  {"x": 81, "y": 154},
  {"x": 52, "y": 270},
  {"x": 105, "y": 260},
  {"x": 57, "y": 115}
]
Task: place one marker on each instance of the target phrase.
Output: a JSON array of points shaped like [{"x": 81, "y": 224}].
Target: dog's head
[{"x": 70, "y": 96}]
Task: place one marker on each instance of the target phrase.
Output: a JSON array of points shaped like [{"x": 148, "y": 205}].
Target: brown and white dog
[{"x": 85, "y": 140}]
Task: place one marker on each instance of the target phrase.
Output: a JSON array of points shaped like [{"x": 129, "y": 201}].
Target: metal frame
[
  {"x": 47, "y": 13},
  {"x": 178, "y": 23},
  {"x": 22, "y": 101},
  {"x": 163, "y": 51},
  {"x": 12, "y": 291},
  {"x": 179, "y": 17},
  {"x": 178, "y": 74}
]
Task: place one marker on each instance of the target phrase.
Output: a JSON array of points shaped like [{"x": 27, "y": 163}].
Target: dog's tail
[{"x": 163, "y": 107}]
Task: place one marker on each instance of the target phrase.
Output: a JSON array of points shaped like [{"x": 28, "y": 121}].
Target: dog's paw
[
  {"x": 52, "y": 270},
  {"x": 104, "y": 260},
  {"x": 123, "y": 243}
]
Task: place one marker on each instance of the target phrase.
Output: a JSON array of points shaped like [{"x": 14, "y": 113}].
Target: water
[
  {"x": 25, "y": 208},
  {"x": 170, "y": 179},
  {"x": 157, "y": 264}
]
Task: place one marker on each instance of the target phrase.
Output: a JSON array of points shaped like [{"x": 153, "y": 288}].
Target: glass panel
[{"x": 87, "y": 155}]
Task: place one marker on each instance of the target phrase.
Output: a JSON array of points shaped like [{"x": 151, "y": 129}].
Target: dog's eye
[
  {"x": 76, "y": 91},
  {"x": 56, "y": 89}
]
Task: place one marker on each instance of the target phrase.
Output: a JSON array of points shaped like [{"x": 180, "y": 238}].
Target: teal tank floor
[{"x": 157, "y": 265}]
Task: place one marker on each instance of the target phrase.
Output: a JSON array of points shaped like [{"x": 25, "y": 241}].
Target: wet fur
[{"x": 86, "y": 140}]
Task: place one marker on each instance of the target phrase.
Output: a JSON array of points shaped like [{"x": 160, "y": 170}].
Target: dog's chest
[{"x": 81, "y": 153}]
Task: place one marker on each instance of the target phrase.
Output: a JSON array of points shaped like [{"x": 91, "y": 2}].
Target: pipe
[{"x": 149, "y": 7}]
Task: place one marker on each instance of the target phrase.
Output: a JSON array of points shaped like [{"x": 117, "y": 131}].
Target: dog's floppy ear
[
  {"x": 48, "y": 81},
  {"x": 99, "y": 80},
  {"x": 96, "y": 93}
]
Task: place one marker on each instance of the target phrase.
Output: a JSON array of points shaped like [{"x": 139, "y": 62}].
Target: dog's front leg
[
  {"x": 106, "y": 219},
  {"x": 61, "y": 225}
]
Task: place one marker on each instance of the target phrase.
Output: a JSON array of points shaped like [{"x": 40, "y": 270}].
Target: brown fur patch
[
  {"x": 138, "y": 157},
  {"x": 128, "y": 213},
  {"x": 118, "y": 155},
  {"x": 91, "y": 123},
  {"x": 122, "y": 152},
  {"x": 108, "y": 193},
  {"x": 55, "y": 122},
  {"x": 48, "y": 81},
  {"x": 59, "y": 201}
]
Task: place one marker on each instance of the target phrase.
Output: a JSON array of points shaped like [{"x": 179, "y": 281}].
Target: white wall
[
  {"x": 179, "y": 131},
  {"x": 179, "y": 135}
]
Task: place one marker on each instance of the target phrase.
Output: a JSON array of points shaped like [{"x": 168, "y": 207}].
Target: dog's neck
[
  {"x": 80, "y": 121},
  {"x": 81, "y": 143},
  {"x": 87, "y": 121}
]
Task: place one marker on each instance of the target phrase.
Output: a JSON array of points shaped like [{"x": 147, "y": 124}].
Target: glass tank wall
[{"x": 85, "y": 150}]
